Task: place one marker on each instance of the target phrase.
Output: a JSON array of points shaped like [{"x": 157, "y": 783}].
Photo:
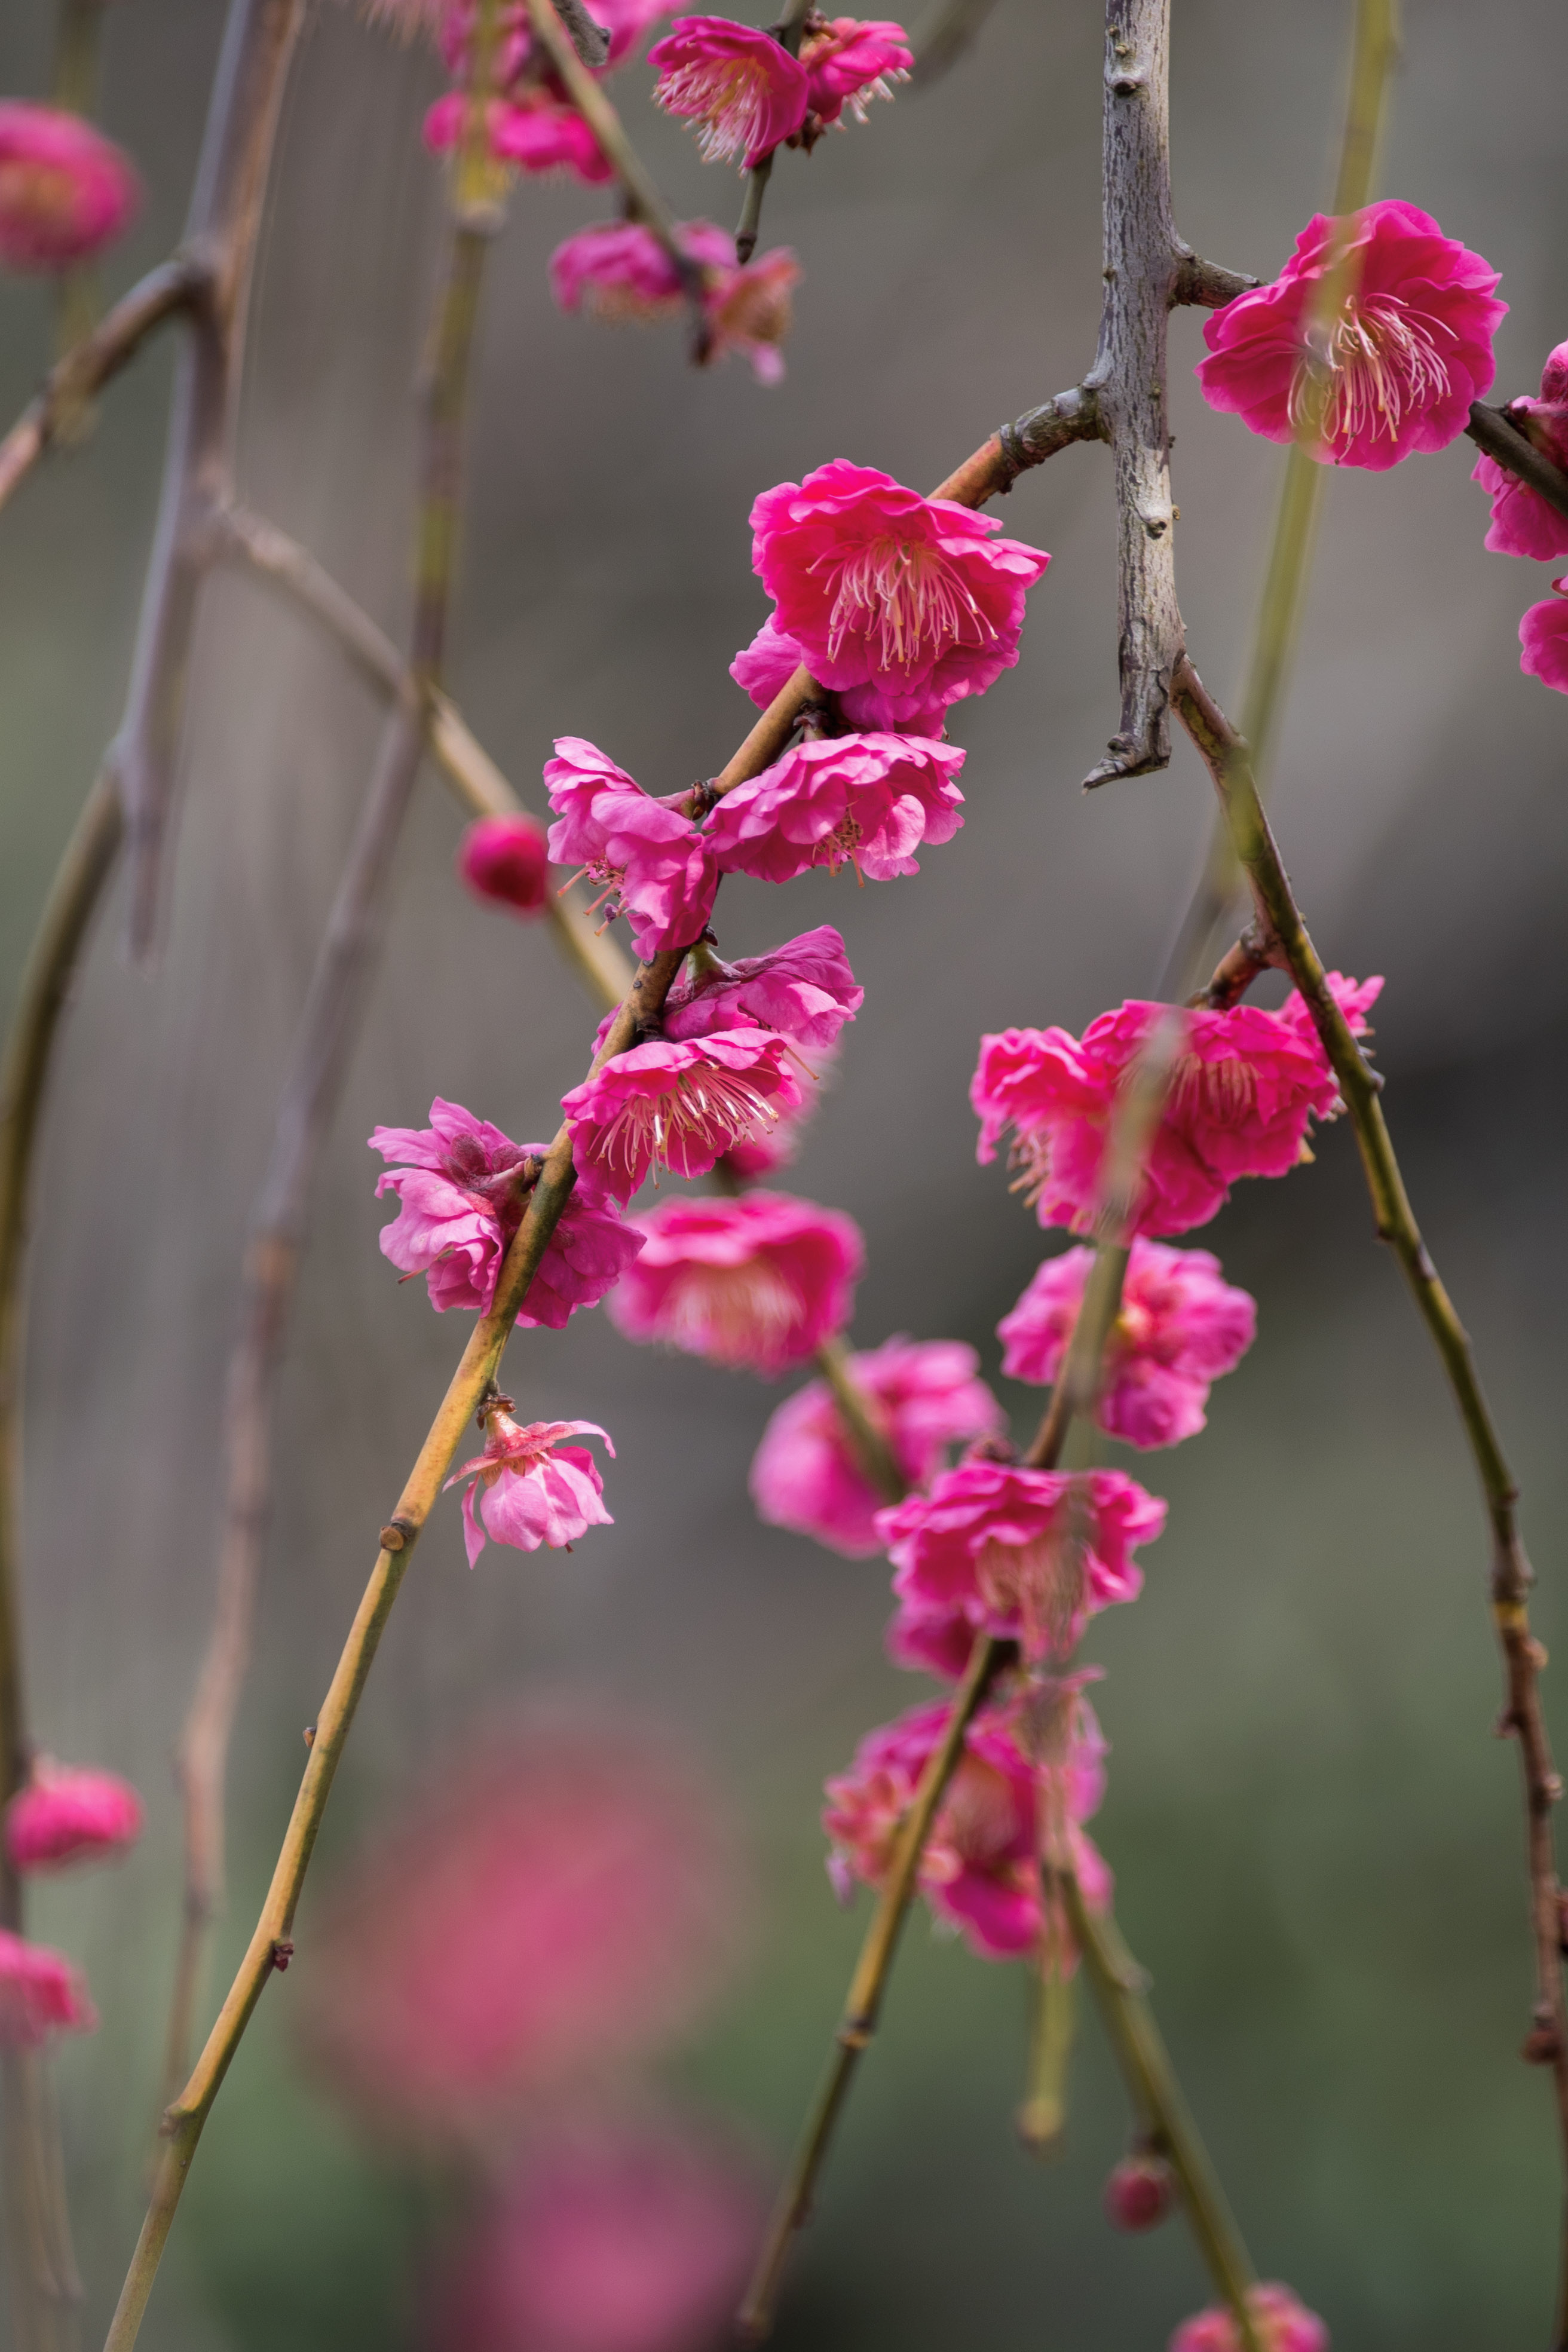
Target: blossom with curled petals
[
  {"x": 66, "y": 191},
  {"x": 742, "y": 89},
  {"x": 1543, "y": 639},
  {"x": 758, "y": 1282},
  {"x": 1523, "y": 523},
  {"x": 41, "y": 1993},
  {"x": 647, "y": 861},
  {"x": 1408, "y": 349},
  {"x": 69, "y": 1813},
  {"x": 864, "y": 801},
  {"x": 1280, "y": 2321},
  {"x": 765, "y": 667},
  {"x": 528, "y": 1489},
  {"x": 849, "y": 61},
  {"x": 805, "y": 989},
  {"x": 680, "y": 1107}
]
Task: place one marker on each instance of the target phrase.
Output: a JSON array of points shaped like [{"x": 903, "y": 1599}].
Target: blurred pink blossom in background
[
  {"x": 1281, "y": 2321},
  {"x": 503, "y": 859},
  {"x": 69, "y": 1813},
  {"x": 65, "y": 190},
  {"x": 758, "y": 1283},
  {"x": 40, "y": 1993}
]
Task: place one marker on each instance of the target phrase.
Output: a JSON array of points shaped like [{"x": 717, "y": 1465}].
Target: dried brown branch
[{"x": 1504, "y": 437}]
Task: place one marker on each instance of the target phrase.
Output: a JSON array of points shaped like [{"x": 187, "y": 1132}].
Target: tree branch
[
  {"x": 1504, "y": 439},
  {"x": 1204, "y": 284}
]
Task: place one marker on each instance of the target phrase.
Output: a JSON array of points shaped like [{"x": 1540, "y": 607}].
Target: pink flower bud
[
  {"x": 67, "y": 1814},
  {"x": 503, "y": 858},
  {"x": 64, "y": 191},
  {"x": 1139, "y": 2192},
  {"x": 40, "y": 1993}
]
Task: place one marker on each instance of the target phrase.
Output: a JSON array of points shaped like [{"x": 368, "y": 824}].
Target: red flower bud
[
  {"x": 1140, "y": 2192},
  {"x": 503, "y": 858}
]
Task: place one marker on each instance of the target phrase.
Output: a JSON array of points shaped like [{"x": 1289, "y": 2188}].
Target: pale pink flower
[
  {"x": 1139, "y": 2192},
  {"x": 462, "y": 1191},
  {"x": 757, "y": 1283},
  {"x": 503, "y": 859},
  {"x": 740, "y": 88},
  {"x": 528, "y": 1489},
  {"x": 1244, "y": 1090},
  {"x": 1543, "y": 635},
  {"x": 609, "y": 2236},
  {"x": 678, "y": 1106},
  {"x": 925, "y": 1395},
  {"x": 618, "y": 269},
  {"x": 1181, "y": 1326},
  {"x": 805, "y": 989},
  {"x": 1281, "y": 2321},
  {"x": 66, "y": 191},
  {"x": 1026, "y": 1554},
  {"x": 646, "y": 861},
  {"x": 864, "y": 801},
  {"x": 564, "y": 1900},
  {"x": 40, "y": 1993},
  {"x": 69, "y": 1813},
  {"x": 1523, "y": 523},
  {"x": 749, "y": 308},
  {"x": 533, "y": 135},
  {"x": 880, "y": 587},
  {"x": 848, "y": 63},
  {"x": 765, "y": 667},
  {"x": 1408, "y": 350}
]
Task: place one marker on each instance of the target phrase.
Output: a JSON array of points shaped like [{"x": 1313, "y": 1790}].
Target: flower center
[
  {"x": 1224, "y": 1091},
  {"x": 839, "y": 847},
  {"x": 704, "y": 1111},
  {"x": 905, "y": 600},
  {"x": 735, "y": 1313},
  {"x": 725, "y": 96},
  {"x": 1383, "y": 362}
]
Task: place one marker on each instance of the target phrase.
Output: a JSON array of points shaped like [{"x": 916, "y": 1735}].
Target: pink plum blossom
[
  {"x": 528, "y": 1490},
  {"x": 1544, "y": 637},
  {"x": 749, "y": 310},
  {"x": 648, "y": 861},
  {"x": 1523, "y": 523},
  {"x": 618, "y": 269},
  {"x": 756, "y": 1283},
  {"x": 1408, "y": 350},
  {"x": 69, "y": 1813},
  {"x": 1181, "y": 1326},
  {"x": 610, "y": 2235},
  {"x": 560, "y": 1899},
  {"x": 849, "y": 62},
  {"x": 864, "y": 801},
  {"x": 66, "y": 191},
  {"x": 536, "y": 135},
  {"x": 680, "y": 1107},
  {"x": 503, "y": 859},
  {"x": 1280, "y": 2321},
  {"x": 765, "y": 667},
  {"x": 760, "y": 1156},
  {"x": 40, "y": 1993},
  {"x": 1025, "y": 1554},
  {"x": 981, "y": 1866},
  {"x": 462, "y": 1190},
  {"x": 1243, "y": 1089},
  {"x": 742, "y": 89},
  {"x": 878, "y": 586},
  {"x": 925, "y": 1395},
  {"x": 805, "y": 989}
]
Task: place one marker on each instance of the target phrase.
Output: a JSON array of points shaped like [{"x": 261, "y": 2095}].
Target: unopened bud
[
  {"x": 504, "y": 859},
  {"x": 1140, "y": 2192}
]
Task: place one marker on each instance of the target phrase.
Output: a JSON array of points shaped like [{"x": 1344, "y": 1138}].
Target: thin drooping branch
[
  {"x": 787, "y": 32},
  {"x": 1505, "y": 437}
]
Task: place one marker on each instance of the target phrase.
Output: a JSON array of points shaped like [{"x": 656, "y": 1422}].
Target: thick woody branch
[
  {"x": 1204, "y": 284},
  {"x": 1505, "y": 437}
]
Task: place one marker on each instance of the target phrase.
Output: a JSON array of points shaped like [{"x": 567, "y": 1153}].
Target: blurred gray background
[{"x": 1316, "y": 1841}]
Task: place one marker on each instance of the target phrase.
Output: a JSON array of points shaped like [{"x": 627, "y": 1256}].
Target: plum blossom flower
[
  {"x": 1181, "y": 1326},
  {"x": 805, "y": 989},
  {"x": 503, "y": 859},
  {"x": 1544, "y": 637},
  {"x": 981, "y": 1866},
  {"x": 749, "y": 308},
  {"x": 66, "y": 191},
  {"x": 529, "y": 1491},
  {"x": 678, "y": 1106},
  {"x": 535, "y": 134},
  {"x": 69, "y": 1813},
  {"x": 618, "y": 269},
  {"x": 462, "y": 1191},
  {"x": 1243, "y": 1089},
  {"x": 1408, "y": 350},
  {"x": 742, "y": 89},
  {"x": 757, "y": 1283},
  {"x": 758, "y": 1155},
  {"x": 1280, "y": 2321},
  {"x": 562, "y": 1897},
  {"x": 40, "y": 1993},
  {"x": 610, "y": 2235},
  {"x": 1026, "y": 1554},
  {"x": 1523, "y": 523},
  {"x": 648, "y": 861},
  {"x": 878, "y": 586},
  {"x": 864, "y": 801},
  {"x": 849, "y": 62},
  {"x": 765, "y": 667},
  {"x": 925, "y": 1394}
]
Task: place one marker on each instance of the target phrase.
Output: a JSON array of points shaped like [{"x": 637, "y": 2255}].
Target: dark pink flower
[
  {"x": 463, "y": 1189},
  {"x": 504, "y": 860},
  {"x": 649, "y": 861},
  {"x": 609, "y": 2236},
  {"x": 805, "y": 989},
  {"x": 1523, "y": 523},
  {"x": 528, "y": 1489},
  {"x": 1244, "y": 1090},
  {"x": 1181, "y": 1326},
  {"x": 765, "y": 667},
  {"x": 564, "y": 1900},
  {"x": 67, "y": 1814},
  {"x": 1139, "y": 2192},
  {"x": 880, "y": 587},
  {"x": 1543, "y": 635},
  {"x": 618, "y": 269},
  {"x": 40, "y": 1993},
  {"x": 64, "y": 191},
  {"x": 864, "y": 801},
  {"x": 1026, "y": 1555},
  {"x": 1410, "y": 348},
  {"x": 925, "y": 1394},
  {"x": 750, "y": 310},
  {"x": 678, "y": 1106},
  {"x": 741, "y": 87},
  {"x": 537, "y": 135},
  {"x": 849, "y": 62},
  {"x": 1281, "y": 2323},
  {"x": 758, "y": 1283}
]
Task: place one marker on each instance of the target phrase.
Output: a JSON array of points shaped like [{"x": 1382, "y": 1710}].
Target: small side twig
[
  {"x": 1496, "y": 431},
  {"x": 787, "y": 32}
]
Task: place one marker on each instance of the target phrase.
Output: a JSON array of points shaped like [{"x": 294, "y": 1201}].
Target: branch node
[
  {"x": 397, "y": 1534},
  {"x": 282, "y": 1952}
]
